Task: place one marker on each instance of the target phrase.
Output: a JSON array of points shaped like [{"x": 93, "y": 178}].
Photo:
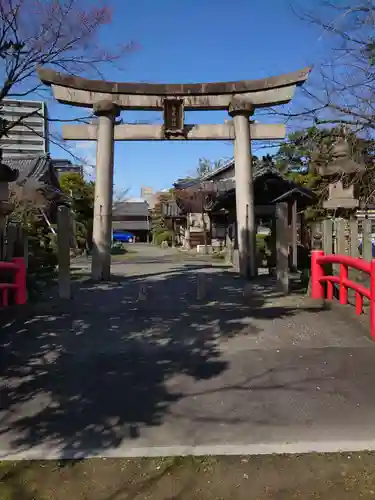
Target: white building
[{"x": 30, "y": 135}]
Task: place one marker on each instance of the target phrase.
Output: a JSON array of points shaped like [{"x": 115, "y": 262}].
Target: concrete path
[{"x": 107, "y": 374}]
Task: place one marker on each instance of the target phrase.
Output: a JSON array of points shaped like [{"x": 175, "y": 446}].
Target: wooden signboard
[{"x": 173, "y": 117}]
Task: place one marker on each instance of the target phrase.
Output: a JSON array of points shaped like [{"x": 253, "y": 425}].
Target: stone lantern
[{"x": 334, "y": 163}]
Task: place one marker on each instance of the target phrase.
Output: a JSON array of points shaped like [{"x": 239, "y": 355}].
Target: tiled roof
[
  {"x": 224, "y": 184},
  {"x": 131, "y": 225},
  {"x": 36, "y": 173},
  {"x": 186, "y": 183},
  {"x": 29, "y": 167},
  {"x": 257, "y": 172},
  {"x": 131, "y": 208}
]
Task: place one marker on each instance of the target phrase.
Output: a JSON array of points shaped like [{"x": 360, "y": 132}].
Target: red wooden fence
[
  {"x": 318, "y": 278},
  {"x": 17, "y": 266}
]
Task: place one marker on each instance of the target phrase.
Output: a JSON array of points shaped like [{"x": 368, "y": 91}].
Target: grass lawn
[{"x": 315, "y": 476}]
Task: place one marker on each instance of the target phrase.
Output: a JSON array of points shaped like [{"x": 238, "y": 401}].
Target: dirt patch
[{"x": 334, "y": 477}]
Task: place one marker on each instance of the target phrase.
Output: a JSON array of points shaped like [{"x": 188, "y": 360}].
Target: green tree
[
  {"x": 303, "y": 150},
  {"x": 28, "y": 212},
  {"x": 81, "y": 193},
  {"x": 159, "y": 225},
  {"x": 204, "y": 167}
]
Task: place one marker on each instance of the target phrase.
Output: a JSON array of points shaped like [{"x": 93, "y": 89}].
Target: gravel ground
[{"x": 143, "y": 366}]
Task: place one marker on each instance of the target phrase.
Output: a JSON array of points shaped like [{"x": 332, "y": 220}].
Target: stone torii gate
[{"x": 107, "y": 99}]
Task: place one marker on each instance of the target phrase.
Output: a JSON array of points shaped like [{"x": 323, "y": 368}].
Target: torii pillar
[
  {"x": 106, "y": 112},
  {"x": 246, "y": 228}
]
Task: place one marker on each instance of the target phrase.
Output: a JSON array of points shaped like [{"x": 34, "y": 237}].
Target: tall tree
[
  {"x": 81, "y": 194},
  {"x": 159, "y": 225},
  {"x": 205, "y": 166}
]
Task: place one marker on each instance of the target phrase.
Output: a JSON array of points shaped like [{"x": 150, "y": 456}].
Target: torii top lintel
[{"x": 81, "y": 91}]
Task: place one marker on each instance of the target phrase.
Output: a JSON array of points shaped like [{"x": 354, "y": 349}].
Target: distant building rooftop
[
  {"x": 135, "y": 200},
  {"x": 36, "y": 173},
  {"x": 131, "y": 215},
  {"x": 63, "y": 166}
]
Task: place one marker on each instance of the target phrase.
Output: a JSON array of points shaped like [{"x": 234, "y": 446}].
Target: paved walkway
[{"x": 106, "y": 374}]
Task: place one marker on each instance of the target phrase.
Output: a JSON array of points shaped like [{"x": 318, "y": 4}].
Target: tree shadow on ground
[{"x": 89, "y": 373}]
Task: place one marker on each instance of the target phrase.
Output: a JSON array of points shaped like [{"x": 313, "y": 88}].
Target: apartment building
[{"x": 29, "y": 136}]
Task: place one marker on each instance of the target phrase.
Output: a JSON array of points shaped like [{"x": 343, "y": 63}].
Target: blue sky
[{"x": 199, "y": 40}]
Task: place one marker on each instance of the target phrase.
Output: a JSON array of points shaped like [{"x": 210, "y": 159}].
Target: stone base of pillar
[
  {"x": 248, "y": 266},
  {"x": 100, "y": 266}
]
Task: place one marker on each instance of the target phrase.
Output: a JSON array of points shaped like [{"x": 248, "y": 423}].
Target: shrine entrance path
[{"x": 105, "y": 374}]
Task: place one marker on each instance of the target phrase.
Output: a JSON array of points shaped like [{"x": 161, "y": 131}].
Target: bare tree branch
[
  {"x": 341, "y": 88},
  {"x": 63, "y": 34}
]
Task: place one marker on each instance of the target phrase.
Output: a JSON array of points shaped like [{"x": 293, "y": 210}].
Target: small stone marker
[
  {"x": 142, "y": 293},
  {"x": 201, "y": 286},
  {"x": 63, "y": 251}
]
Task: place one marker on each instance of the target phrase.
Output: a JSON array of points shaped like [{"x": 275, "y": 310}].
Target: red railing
[
  {"x": 17, "y": 266},
  {"x": 318, "y": 278}
]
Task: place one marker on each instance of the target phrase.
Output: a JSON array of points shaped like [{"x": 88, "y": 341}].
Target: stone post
[
  {"x": 63, "y": 251},
  {"x": 102, "y": 224},
  {"x": 282, "y": 248},
  {"x": 246, "y": 229},
  {"x": 294, "y": 222}
]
